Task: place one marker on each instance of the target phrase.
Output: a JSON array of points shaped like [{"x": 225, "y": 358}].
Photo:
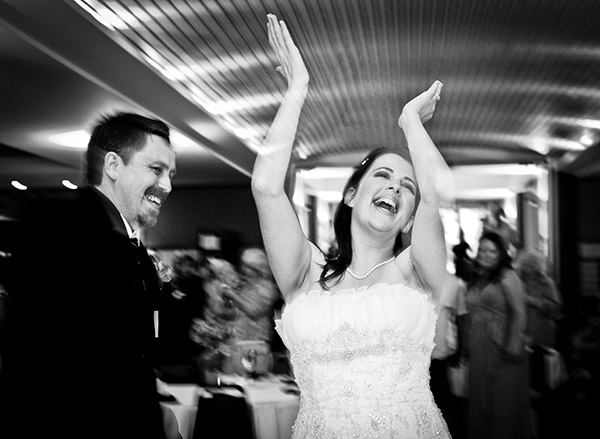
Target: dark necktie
[{"x": 135, "y": 241}]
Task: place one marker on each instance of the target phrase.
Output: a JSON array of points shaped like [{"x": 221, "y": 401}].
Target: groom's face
[{"x": 144, "y": 182}]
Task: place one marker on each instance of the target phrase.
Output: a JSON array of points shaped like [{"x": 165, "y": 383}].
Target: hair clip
[{"x": 364, "y": 161}]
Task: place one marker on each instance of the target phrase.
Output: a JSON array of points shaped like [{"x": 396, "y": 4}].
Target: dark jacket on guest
[{"x": 82, "y": 328}]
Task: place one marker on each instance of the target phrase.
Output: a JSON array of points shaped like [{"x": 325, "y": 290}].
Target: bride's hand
[
  {"x": 423, "y": 105},
  {"x": 291, "y": 65}
]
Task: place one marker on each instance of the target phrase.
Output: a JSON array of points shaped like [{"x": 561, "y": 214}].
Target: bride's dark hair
[{"x": 336, "y": 262}]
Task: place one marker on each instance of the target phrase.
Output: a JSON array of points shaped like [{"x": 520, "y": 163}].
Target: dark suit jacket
[{"x": 82, "y": 329}]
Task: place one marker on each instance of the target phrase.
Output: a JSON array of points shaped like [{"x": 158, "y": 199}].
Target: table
[
  {"x": 273, "y": 410},
  {"x": 179, "y": 420}
]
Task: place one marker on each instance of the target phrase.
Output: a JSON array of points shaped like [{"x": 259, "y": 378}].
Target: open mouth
[
  {"x": 153, "y": 199},
  {"x": 387, "y": 203},
  {"x": 155, "y": 196}
]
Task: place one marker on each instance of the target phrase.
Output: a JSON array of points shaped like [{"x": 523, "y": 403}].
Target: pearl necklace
[{"x": 373, "y": 268}]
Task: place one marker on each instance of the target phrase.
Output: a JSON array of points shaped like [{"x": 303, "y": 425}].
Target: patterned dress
[{"x": 361, "y": 360}]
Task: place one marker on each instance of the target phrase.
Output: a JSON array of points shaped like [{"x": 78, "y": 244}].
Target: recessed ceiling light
[
  {"x": 73, "y": 139},
  {"x": 69, "y": 185},
  {"x": 18, "y": 185}
]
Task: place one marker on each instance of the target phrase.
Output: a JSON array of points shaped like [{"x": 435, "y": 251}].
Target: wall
[
  {"x": 579, "y": 237},
  {"x": 588, "y": 242},
  {"x": 188, "y": 211},
  {"x": 225, "y": 209},
  {"x": 588, "y": 210}
]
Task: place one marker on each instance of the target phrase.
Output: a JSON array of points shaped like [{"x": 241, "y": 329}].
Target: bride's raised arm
[
  {"x": 436, "y": 188},
  {"x": 288, "y": 249}
]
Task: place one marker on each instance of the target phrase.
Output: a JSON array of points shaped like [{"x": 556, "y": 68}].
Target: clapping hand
[
  {"x": 291, "y": 65},
  {"x": 422, "y": 105}
]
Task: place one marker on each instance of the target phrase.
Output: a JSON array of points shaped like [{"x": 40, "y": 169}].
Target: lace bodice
[{"x": 361, "y": 359}]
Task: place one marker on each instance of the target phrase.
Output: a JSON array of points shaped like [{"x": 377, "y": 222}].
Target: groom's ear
[
  {"x": 349, "y": 197},
  {"x": 112, "y": 162}
]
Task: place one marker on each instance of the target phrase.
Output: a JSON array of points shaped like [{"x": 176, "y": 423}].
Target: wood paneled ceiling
[{"x": 521, "y": 77}]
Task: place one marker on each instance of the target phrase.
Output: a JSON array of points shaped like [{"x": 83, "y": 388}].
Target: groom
[{"x": 83, "y": 290}]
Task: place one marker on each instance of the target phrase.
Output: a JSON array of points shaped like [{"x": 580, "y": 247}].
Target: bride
[{"x": 359, "y": 326}]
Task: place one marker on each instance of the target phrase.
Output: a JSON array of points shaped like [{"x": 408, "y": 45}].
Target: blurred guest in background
[
  {"x": 496, "y": 221},
  {"x": 223, "y": 282},
  {"x": 572, "y": 409},
  {"x": 499, "y": 405},
  {"x": 256, "y": 300},
  {"x": 462, "y": 260},
  {"x": 448, "y": 351},
  {"x": 4, "y": 306},
  {"x": 83, "y": 291},
  {"x": 544, "y": 307},
  {"x": 215, "y": 332},
  {"x": 256, "y": 297},
  {"x": 544, "y": 304},
  {"x": 182, "y": 301},
  {"x": 584, "y": 341}
]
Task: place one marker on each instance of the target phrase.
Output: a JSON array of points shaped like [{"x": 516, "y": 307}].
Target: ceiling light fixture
[
  {"x": 101, "y": 16},
  {"x": 330, "y": 196},
  {"x": 486, "y": 194},
  {"x": 589, "y": 123},
  {"x": 69, "y": 185},
  {"x": 244, "y": 133},
  {"x": 216, "y": 108},
  {"x": 139, "y": 13},
  {"x": 325, "y": 172},
  {"x": 586, "y": 140},
  {"x": 18, "y": 185},
  {"x": 301, "y": 154},
  {"x": 179, "y": 141},
  {"x": 567, "y": 144},
  {"x": 501, "y": 169},
  {"x": 79, "y": 139},
  {"x": 73, "y": 139},
  {"x": 124, "y": 18}
]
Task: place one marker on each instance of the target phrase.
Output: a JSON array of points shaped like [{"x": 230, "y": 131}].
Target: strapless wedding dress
[{"x": 361, "y": 360}]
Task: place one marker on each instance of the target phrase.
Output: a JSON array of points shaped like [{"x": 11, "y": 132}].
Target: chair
[{"x": 223, "y": 416}]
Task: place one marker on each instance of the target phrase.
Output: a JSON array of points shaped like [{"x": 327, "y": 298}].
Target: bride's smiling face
[{"x": 386, "y": 196}]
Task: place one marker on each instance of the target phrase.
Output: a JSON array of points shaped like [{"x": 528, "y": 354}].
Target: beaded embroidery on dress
[{"x": 361, "y": 360}]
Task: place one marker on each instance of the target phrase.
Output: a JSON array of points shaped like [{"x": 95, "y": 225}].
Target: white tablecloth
[{"x": 273, "y": 410}]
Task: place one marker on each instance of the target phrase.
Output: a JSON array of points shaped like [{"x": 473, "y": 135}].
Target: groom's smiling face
[{"x": 144, "y": 182}]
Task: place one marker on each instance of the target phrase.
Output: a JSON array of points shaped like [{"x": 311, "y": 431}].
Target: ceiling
[{"x": 521, "y": 80}]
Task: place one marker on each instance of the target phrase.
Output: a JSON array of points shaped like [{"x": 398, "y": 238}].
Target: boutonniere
[{"x": 163, "y": 270}]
